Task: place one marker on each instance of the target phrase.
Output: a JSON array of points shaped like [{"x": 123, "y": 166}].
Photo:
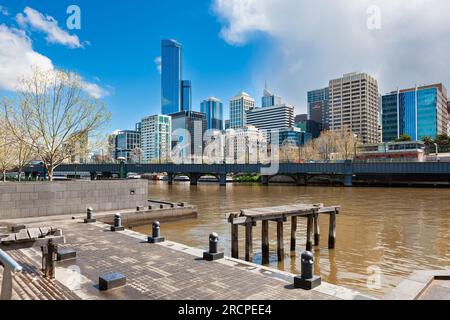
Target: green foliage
[{"x": 404, "y": 138}]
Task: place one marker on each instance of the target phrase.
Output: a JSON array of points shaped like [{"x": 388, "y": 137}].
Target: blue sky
[
  {"x": 229, "y": 45},
  {"x": 124, "y": 41}
]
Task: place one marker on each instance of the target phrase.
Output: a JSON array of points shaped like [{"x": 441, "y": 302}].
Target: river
[{"x": 383, "y": 234}]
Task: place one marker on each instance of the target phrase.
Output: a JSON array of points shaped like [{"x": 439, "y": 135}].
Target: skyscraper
[
  {"x": 171, "y": 76},
  {"x": 269, "y": 118},
  {"x": 269, "y": 99},
  {"x": 156, "y": 137},
  {"x": 418, "y": 112},
  {"x": 126, "y": 141},
  {"x": 213, "y": 108},
  {"x": 194, "y": 124},
  {"x": 354, "y": 104},
  {"x": 318, "y": 107},
  {"x": 186, "y": 95},
  {"x": 239, "y": 105}
]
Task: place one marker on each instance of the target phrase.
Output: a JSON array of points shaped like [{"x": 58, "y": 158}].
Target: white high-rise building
[
  {"x": 353, "y": 104},
  {"x": 156, "y": 138},
  {"x": 271, "y": 118},
  {"x": 239, "y": 105},
  {"x": 241, "y": 145}
]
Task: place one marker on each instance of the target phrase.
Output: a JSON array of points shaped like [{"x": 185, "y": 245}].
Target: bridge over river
[{"x": 348, "y": 172}]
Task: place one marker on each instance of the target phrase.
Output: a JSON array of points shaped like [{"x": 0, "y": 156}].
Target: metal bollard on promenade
[
  {"x": 213, "y": 253},
  {"x": 307, "y": 280},
  {"x": 156, "y": 233},
  {"x": 117, "y": 223},
  {"x": 89, "y": 216}
]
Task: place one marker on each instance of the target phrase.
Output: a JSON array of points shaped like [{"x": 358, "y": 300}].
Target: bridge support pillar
[
  {"x": 93, "y": 175},
  {"x": 194, "y": 179},
  {"x": 265, "y": 180},
  {"x": 348, "y": 180},
  {"x": 223, "y": 180},
  {"x": 170, "y": 178},
  {"x": 301, "y": 179}
]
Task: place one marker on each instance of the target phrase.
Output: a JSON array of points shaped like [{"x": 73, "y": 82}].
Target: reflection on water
[{"x": 395, "y": 230}]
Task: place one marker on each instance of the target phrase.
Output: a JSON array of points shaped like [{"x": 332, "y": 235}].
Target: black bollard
[
  {"x": 307, "y": 280},
  {"x": 89, "y": 216},
  {"x": 117, "y": 223},
  {"x": 213, "y": 253},
  {"x": 156, "y": 233}
]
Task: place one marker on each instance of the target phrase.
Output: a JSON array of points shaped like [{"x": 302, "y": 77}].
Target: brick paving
[{"x": 171, "y": 271}]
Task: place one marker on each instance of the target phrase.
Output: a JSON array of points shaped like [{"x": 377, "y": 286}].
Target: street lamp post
[{"x": 437, "y": 151}]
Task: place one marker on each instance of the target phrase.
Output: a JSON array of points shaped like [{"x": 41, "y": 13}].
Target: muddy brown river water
[{"x": 383, "y": 234}]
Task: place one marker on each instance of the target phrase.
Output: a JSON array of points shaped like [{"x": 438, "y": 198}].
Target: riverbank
[{"x": 163, "y": 271}]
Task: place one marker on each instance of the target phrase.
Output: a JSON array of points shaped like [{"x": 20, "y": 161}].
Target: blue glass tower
[
  {"x": 418, "y": 112},
  {"x": 186, "y": 95},
  {"x": 318, "y": 108},
  {"x": 213, "y": 108},
  {"x": 171, "y": 75}
]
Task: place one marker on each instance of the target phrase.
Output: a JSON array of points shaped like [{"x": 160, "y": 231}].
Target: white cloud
[
  {"x": 312, "y": 42},
  {"x": 95, "y": 91},
  {"x": 48, "y": 25},
  {"x": 158, "y": 63},
  {"x": 4, "y": 11},
  {"x": 17, "y": 58}
]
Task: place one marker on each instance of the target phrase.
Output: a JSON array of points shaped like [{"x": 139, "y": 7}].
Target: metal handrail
[{"x": 10, "y": 268}]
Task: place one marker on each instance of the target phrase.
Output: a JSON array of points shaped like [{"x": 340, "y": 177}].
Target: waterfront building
[
  {"x": 411, "y": 151},
  {"x": 227, "y": 124},
  {"x": 242, "y": 145},
  {"x": 293, "y": 136},
  {"x": 239, "y": 105},
  {"x": 188, "y": 128},
  {"x": 213, "y": 109},
  {"x": 353, "y": 104},
  {"x": 156, "y": 138},
  {"x": 171, "y": 76},
  {"x": 126, "y": 142},
  {"x": 418, "y": 112},
  {"x": 186, "y": 95},
  {"x": 269, "y": 118},
  {"x": 318, "y": 109},
  {"x": 269, "y": 99},
  {"x": 311, "y": 127}
]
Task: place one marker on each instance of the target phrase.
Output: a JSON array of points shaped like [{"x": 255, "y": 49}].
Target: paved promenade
[{"x": 158, "y": 271}]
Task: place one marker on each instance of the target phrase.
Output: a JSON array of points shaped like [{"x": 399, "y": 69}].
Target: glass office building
[
  {"x": 171, "y": 75},
  {"x": 239, "y": 105},
  {"x": 126, "y": 141},
  {"x": 190, "y": 123},
  {"x": 318, "y": 110},
  {"x": 418, "y": 112},
  {"x": 269, "y": 100},
  {"x": 213, "y": 108},
  {"x": 186, "y": 95}
]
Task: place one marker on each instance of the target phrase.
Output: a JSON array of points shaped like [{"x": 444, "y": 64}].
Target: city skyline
[{"x": 243, "y": 52}]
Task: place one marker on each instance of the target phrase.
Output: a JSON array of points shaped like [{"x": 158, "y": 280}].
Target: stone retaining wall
[{"x": 37, "y": 199}]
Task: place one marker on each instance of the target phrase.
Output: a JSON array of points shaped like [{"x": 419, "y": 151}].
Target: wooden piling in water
[
  {"x": 265, "y": 241},
  {"x": 235, "y": 241},
  {"x": 248, "y": 242},
  {"x": 280, "y": 244},
  {"x": 309, "y": 230},
  {"x": 332, "y": 231},
  {"x": 316, "y": 230},
  {"x": 293, "y": 232}
]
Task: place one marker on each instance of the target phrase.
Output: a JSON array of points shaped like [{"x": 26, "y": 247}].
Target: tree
[
  {"x": 7, "y": 149},
  {"x": 56, "y": 115},
  {"x": 404, "y": 138}
]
